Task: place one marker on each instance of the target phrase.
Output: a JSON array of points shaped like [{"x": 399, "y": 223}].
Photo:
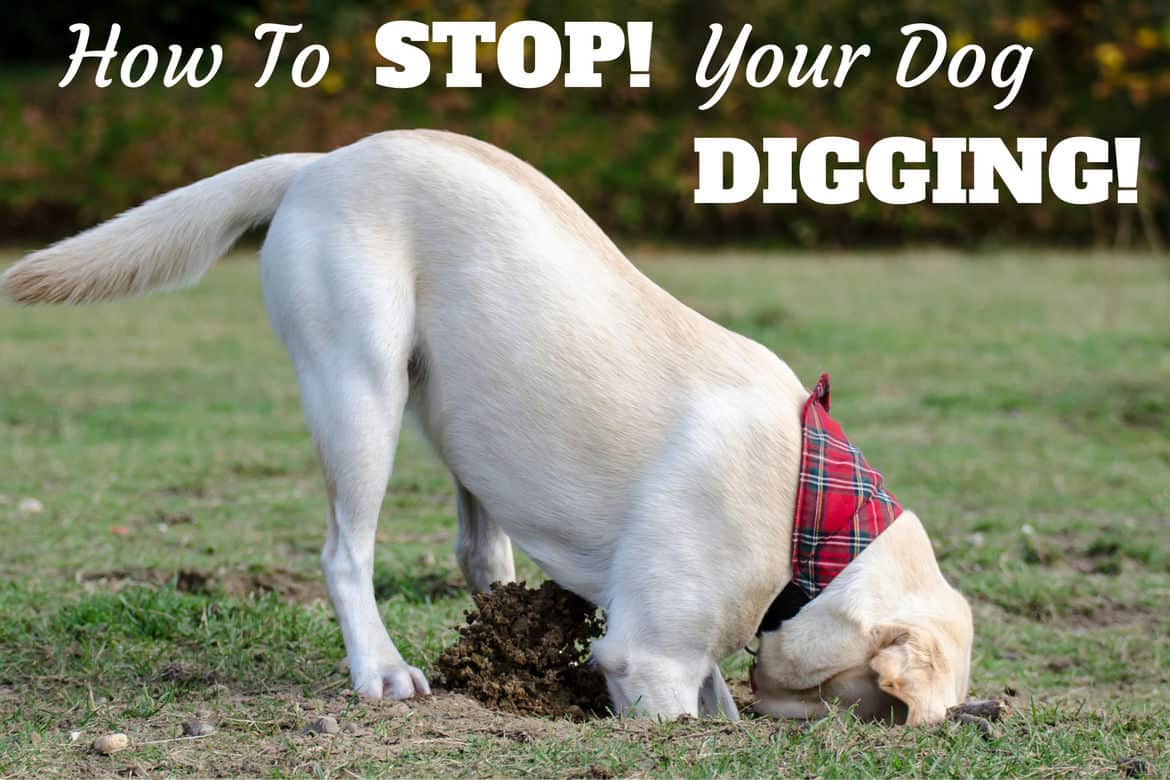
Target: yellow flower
[
  {"x": 332, "y": 83},
  {"x": 958, "y": 40},
  {"x": 1109, "y": 56},
  {"x": 1028, "y": 29},
  {"x": 1147, "y": 37},
  {"x": 1139, "y": 90}
]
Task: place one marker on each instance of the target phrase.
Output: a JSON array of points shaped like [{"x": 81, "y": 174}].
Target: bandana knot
[{"x": 841, "y": 505}]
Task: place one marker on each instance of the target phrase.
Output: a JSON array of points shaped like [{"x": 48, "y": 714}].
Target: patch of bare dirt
[
  {"x": 281, "y": 735},
  {"x": 277, "y": 735},
  {"x": 1106, "y": 612},
  {"x": 287, "y": 585},
  {"x": 526, "y": 651},
  {"x": 1086, "y": 612},
  {"x": 1069, "y": 549}
]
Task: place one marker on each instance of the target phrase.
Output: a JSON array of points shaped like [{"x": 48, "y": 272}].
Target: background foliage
[{"x": 69, "y": 157}]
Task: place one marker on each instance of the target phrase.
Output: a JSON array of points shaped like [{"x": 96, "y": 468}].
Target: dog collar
[{"x": 841, "y": 507}]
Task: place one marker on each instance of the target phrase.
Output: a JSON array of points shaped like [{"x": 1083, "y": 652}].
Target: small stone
[
  {"x": 197, "y": 728},
  {"x": 353, "y": 729},
  {"x": 341, "y": 667},
  {"x": 111, "y": 743},
  {"x": 30, "y": 506},
  {"x": 326, "y": 724},
  {"x": 1133, "y": 766},
  {"x": 74, "y": 736}
]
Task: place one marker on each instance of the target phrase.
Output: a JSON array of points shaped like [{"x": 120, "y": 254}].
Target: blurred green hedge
[{"x": 72, "y": 156}]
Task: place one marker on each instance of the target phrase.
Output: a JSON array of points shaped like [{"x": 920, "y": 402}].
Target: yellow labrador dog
[{"x": 645, "y": 457}]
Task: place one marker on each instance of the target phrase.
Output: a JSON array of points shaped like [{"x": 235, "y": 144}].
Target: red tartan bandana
[{"x": 841, "y": 505}]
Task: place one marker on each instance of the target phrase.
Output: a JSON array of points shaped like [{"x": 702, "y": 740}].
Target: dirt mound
[{"x": 526, "y": 651}]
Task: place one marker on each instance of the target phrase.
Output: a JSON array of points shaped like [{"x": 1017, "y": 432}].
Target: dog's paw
[{"x": 393, "y": 681}]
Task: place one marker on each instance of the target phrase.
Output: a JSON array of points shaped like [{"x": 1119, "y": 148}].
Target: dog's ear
[{"x": 910, "y": 666}]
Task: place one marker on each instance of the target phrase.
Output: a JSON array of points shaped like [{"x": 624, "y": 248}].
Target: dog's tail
[{"x": 167, "y": 242}]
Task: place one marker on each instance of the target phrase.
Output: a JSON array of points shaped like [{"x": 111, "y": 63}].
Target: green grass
[{"x": 1020, "y": 403}]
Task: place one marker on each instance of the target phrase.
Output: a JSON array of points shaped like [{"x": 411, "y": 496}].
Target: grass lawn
[{"x": 1020, "y": 403}]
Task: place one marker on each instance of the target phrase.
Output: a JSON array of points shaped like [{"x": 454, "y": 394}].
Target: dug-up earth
[{"x": 526, "y": 651}]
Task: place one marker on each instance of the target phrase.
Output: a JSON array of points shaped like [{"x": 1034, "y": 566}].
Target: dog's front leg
[
  {"x": 650, "y": 669},
  {"x": 647, "y": 683},
  {"x": 715, "y": 697}
]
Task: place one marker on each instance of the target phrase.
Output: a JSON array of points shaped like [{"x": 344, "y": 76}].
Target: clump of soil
[{"x": 526, "y": 651}]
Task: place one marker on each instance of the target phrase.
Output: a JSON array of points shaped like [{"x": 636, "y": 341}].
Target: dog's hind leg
[
  {"x": 483, "y": 550},
  {"x": 355, "y": 427},
  {"x": 349, "y": 332}
]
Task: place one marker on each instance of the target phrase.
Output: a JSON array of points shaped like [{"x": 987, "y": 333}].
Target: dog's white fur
[{"x": 645, "y": 457}]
